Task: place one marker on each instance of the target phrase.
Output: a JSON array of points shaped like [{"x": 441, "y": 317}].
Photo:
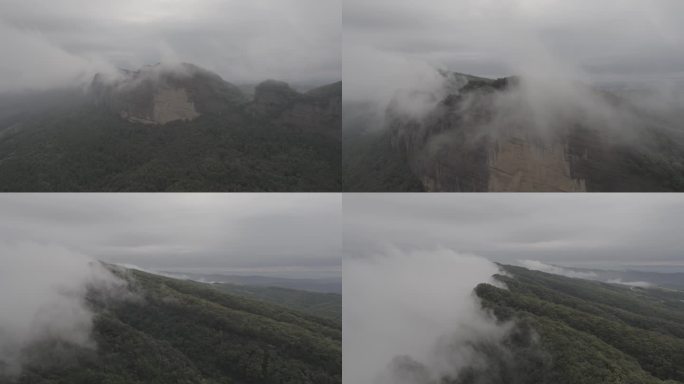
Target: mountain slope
[
  {"x": 175, "y": 130},
  {"x": 592, "y": 332},
  {"x": 183, "y": 332},
  {"x": 320, "y": 284},
  {"x": 326, "y": 305},
  {"x": 516, "y": 135}
]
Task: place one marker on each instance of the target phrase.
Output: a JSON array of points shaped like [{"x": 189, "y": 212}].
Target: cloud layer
[
  {"x": 539, "y": 266},
  {"x": 605, "y": 230},
  {"x": 42, "y": 296},
  {"x": 287, "y": 235},
  {"x": 52, "y": 43},
  {"x": 579, "y": 274},
  {"x": 394, "y": 48},
  {"x": 611, "y": 39},
  {"x": 415, "y": 307}
]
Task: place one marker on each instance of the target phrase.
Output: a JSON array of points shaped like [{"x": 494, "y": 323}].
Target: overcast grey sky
[
  {"x": 51, "y": 42},
  {"x": 570, "y": 229},
  {"x": 604, "y": 41},
  {"x": 287, "y": 235}
]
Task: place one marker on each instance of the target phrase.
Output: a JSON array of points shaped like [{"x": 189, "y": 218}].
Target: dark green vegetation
[
  {"x": 579, "y": 331},
  {"x": 183, "y": 332},
  {"x": 370, "y": 164},
  {"x": 282, "y": 140},
  {"x": 327, "y": 305}
]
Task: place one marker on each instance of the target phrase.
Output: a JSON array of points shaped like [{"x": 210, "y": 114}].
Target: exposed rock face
[
  {"x": 167, "y": 105},
  {"x": 159, "y": 95},
  {"x": 472, "y": 141},
  {"x": 515, "y": 164},
  {"x": 172, "y": 104}
]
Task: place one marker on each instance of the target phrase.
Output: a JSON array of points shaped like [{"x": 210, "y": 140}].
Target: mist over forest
[
  {"x": 493, "y": 289},
  {"x": 558, "y": 97},
  {"x": 88, "y": 296}
]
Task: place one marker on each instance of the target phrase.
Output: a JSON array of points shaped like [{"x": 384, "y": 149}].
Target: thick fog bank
[
  {"x": 413, "y": 317},
  {"x": 43, "y": 292}
]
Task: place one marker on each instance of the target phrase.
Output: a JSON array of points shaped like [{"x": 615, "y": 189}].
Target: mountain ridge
[
  {"x": 196, "y": 133},
  {"x": 587, "y": 331},
  {"x": 175, "y": 331},
  {"x": 513, "y": 134}
]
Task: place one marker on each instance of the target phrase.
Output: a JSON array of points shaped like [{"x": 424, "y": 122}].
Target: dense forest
[
  {"x": 327, "y": 305},
  {"x": 175, "y": 331},
  {"x": 579, "y": 331},
  {"x": 280, "y": 140},
  {"x": 371, "y": 164}
]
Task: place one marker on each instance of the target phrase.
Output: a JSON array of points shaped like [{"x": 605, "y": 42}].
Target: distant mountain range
[
  {"x": 176, "y": 331},
  {"x": 671, "y": 280},
  {"x": 178, "y": 128},
  {"x": 510, "y": 134}
]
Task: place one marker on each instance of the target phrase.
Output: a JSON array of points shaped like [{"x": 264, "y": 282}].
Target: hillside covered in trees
[
  {"x": 175, "y": 331},
  {"x": 180, "y": 129},
  {"x": 578, "y": 331},
  {"x": 327, "y": 305}
]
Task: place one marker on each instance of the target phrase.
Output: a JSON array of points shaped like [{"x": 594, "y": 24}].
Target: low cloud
[
  {"x": 638, "y": 284},
  {"x": 379, "y": 78},
  {"x": 412, "y": 317},
  {"x": 43, "y": 298},
  {"x": 33, "y": 63},
  {"x": 394, "y": 50},
  {"x": 186, "y": 232},
  {"x": 49, "y": 43},
  {"x": 588, "y": 275},
  {"x": 539, "y": 266}
]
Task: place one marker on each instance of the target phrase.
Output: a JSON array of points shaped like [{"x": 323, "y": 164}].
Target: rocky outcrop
[
  {"x": 160, "y": 94},
  {"x": 516, "y": 164},
  {"x": 474, "y": 140},
  {"x": 168, "y": 105}
]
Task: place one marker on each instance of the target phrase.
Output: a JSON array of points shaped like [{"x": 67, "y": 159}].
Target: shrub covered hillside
[
  {"x": 176, "y": 331},
  {"x": 592, "y": 332}
]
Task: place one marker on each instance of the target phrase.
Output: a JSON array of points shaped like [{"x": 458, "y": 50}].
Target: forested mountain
[
  {"x": 579, "y": 331},
  {"x": 327, "y": 305},
  {"x": 175, "y": 331},
  {"x": 171, "y": 129}
]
